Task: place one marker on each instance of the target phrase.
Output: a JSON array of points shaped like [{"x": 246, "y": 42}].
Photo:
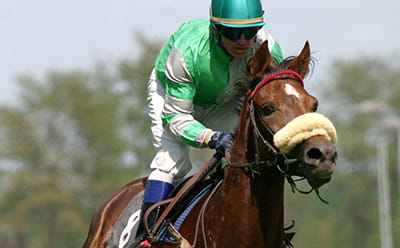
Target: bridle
[
  {"x": 252, "y": 111},
  {"x": 279, "y": 159}
]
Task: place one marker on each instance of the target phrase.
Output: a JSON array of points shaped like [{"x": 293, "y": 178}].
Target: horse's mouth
[{"x": 316, "y": 178}]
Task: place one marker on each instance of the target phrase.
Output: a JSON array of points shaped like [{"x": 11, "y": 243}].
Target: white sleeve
[{"x": 261, "y": 36}]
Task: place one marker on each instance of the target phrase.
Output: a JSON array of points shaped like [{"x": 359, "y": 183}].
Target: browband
[{"x": 272, "y": 76}]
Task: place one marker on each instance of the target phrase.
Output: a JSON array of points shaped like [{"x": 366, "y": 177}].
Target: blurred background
[{"x": 74, "y": 125}]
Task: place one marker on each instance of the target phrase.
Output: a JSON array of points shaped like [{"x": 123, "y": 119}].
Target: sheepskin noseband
[{"x": 302, "y": 128}]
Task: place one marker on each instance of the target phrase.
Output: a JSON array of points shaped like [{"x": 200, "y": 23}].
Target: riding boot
[{"x": 154, "y": 192}]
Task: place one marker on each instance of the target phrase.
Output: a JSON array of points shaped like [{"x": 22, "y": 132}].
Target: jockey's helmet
[{"x": 237, "y": 13}]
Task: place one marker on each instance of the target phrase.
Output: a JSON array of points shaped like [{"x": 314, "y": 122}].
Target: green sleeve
[{"x": 277, "y": 53}]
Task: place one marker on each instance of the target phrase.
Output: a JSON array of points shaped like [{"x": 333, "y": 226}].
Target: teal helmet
[{"x": 237, "y": 13}]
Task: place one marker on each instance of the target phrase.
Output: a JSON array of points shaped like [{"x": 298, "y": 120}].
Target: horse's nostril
[{"x": 314, "y": 153}]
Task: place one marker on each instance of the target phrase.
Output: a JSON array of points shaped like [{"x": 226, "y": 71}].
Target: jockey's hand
[{"x": 221, "y": 142}]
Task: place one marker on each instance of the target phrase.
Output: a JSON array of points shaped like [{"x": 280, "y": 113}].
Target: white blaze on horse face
[{"x": 290, "y": 90}]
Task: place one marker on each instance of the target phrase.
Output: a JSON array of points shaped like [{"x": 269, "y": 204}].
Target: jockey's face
[
  {"x": 237, "y": 49},
  {"x": 236, "y": 41}
]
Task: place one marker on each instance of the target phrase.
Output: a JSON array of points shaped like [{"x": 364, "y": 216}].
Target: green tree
[
  {"x": 133, "y": 75},
  {"x": 73, "y": 139}
]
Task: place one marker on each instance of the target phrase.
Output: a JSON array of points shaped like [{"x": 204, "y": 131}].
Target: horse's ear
[
  {"x": 261, "y": 61},
  {"x": 301, "y": 63}
]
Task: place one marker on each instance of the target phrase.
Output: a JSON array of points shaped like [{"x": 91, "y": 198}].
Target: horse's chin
[
  {"x": 316, "y": 182},
  {"x": 317, "y": 179}
]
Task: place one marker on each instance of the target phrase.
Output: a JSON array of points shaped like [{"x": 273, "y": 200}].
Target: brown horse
[{"x": 278, "y": 136}]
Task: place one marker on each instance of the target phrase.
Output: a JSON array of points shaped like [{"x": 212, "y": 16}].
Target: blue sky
[{"x": 37, "y": 35}]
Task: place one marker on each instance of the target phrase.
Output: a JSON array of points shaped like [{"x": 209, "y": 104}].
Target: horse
[{"x": 279, "y": 135}]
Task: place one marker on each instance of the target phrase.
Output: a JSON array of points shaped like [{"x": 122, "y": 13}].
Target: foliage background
[{"x": 75, "y": 137}]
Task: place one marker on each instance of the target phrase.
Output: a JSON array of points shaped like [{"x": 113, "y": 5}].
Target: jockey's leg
[
  {"x": 155, "y": 192},
  {"x": 170, "y": 163}
]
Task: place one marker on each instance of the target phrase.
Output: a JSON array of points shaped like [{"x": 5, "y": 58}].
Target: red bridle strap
[{"x": 271, "y": 77}]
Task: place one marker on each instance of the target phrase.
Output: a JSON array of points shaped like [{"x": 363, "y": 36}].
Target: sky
[{"x": 38, "y": 35}]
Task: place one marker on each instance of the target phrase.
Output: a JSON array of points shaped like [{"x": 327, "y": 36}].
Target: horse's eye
[{"x": 268, "y": 108}]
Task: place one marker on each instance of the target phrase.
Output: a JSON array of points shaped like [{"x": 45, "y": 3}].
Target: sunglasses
[{"x": 235, "y": 33}]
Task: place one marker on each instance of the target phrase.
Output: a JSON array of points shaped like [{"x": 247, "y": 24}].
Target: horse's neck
[
  {"x": 249, "y": 210},
  {"x": 250, "y": 205}
]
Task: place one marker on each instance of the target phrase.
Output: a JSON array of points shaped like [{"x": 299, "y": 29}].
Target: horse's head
[{"x": 283, "y": 122}]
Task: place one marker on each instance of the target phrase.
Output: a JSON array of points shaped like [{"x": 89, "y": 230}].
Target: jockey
[{"x": 193, "y": 98}]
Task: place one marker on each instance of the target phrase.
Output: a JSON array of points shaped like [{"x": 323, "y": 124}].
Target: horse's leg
[{"x": 109, "y": 212}]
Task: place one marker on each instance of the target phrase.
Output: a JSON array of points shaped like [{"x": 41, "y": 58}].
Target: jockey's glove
[{"x": 221, "y": 142}]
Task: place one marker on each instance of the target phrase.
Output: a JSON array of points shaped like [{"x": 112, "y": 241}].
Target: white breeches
[{"x": 172, "y": 159}]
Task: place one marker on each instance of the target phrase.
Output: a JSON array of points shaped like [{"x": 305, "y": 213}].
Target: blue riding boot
[{"x": 154, "y": 192}]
